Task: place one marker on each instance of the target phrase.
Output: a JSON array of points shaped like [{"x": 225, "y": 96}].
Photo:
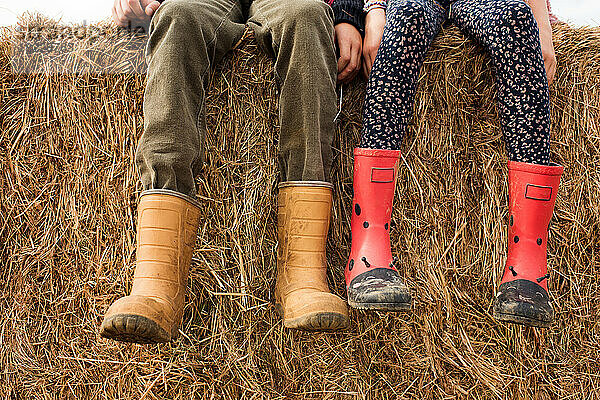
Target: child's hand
[
  {"x": 135, "y": 11},
  {"x": 349, "y": 43},
  {"x": 548, "y": 52},
  {"x": 374, "y": 24}
]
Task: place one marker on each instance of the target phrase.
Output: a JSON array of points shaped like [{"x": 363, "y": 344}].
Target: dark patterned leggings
[{"x": 509, "y": 33}]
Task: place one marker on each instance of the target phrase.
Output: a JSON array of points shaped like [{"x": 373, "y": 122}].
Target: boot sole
[
  {"x": 133, "y": 329},
  {"x": 381, "y": 306},
  {"x": 315, "y": 321},
  {"x": 318, "y": 321},
  {"x": 517, "y": 319}
]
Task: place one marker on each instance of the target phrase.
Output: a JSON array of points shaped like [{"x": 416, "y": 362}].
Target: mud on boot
[
  {"x": 523, "y": 302},
  {"x": 379, "y": 289},
  {"x": 372, "y": 280}
]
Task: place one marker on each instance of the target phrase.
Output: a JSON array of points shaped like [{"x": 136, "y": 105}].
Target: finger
[
  {"x": 137, "y": 9},
  {"x": 354, "y": 65},
  {"x": 547, "y": 67},
  {"x": 370, "y": 63},
  {"x": 373, "y": 58},
  {"x": 118, "y": 12},
  {"x": 121, "y": 19},
  {"x": 551, "y": 73},
  {"x": 353, "y": 74},
  {"x": 151, "y": 8},
  {"x": 344, "y": 56},
  {"x": 343, "y": 76},
  {"x": 366, "y": 62},
  {"x": 357, "y": 53},
  {"x": 349, "y": 72},
  {"x": 344, "y": 59},
  {"x": 346, "y": 75},
  {"x": 359, "y": 66},
  {"x": 114, "y": 15},
  {"x": 127, "y": 11}
]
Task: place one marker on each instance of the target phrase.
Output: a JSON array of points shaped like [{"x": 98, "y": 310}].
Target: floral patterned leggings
[{"x": 509, "y": 33}]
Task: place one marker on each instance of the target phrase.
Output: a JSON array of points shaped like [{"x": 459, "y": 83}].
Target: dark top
[{"x": 349, "y": 11}]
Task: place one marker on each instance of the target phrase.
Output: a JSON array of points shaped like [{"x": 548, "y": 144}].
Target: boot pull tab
[
  {"x": 537, "y": 192},
  {"x": 382, "y": 175},
  {"x": 364, "y": 259},
  {"x": 512, "y": 269}
]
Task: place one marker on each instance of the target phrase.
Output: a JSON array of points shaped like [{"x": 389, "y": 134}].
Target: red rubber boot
[
  {"x": 522, "y": 297},
  {"x": 372, "y": 280}
]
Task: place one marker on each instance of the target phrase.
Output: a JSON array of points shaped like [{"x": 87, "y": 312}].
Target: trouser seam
[
  {"x": 216, "y": 32},
  {"x": 274, "y": 44},
  {"x": 278, "y": 80}
]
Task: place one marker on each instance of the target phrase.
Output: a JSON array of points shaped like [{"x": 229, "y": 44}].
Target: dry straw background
[{"x": 68, "y": 194}]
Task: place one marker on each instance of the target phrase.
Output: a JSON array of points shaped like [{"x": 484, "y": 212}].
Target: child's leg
[
  {"x": 509, "y": 32},
  {"x": 372, "y": 277},
  {"x": 410, "y": 28}
]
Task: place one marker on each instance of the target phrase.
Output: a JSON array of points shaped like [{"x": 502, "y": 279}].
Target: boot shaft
[
  {"x": 375, "y": 174},
  {"x": 304, "y": 211},
  {"x": 532, "y": 195},
  {"x": 166, "y": 234}
]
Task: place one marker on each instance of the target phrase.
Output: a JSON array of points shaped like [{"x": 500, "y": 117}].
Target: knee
[
  {"x": 309, "y": 15},
  {"x": 172, "y": 12},
  {"x": 412, "y": 14},
  {"x": 412, "y": 10},
  {"x": 180, "y": 21},
  {"x": 513, "y": 15},
  {"x": 305, "y": 33}
]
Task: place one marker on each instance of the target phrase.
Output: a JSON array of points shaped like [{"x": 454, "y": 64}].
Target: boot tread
[{"x": 133, "y": 329}]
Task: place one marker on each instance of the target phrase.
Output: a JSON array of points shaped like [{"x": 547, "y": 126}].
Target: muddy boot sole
[
  {"x": 319, "y": 321},
  {"x": 523, "y": 302},
  {"x": 379, "y": 289},
  {"x": 133, "y": 329},
  {"x": 520, "y": 320},
  {"x": 381, "y": 306},
  {"x": 315, "y": 321}
]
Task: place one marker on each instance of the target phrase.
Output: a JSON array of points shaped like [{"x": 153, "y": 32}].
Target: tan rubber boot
[
  {"x": 301, "y": 293},
  {"x": 167, "y": 226}
]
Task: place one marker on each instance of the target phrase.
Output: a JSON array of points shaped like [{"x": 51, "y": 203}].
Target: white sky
[{"x": 578, "y": 12}]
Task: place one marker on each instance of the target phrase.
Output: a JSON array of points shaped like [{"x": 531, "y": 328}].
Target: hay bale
[{"x": 68, "y": 194}]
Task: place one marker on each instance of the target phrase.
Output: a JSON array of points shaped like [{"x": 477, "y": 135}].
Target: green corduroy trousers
[{"x": 188, "y": 37}]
